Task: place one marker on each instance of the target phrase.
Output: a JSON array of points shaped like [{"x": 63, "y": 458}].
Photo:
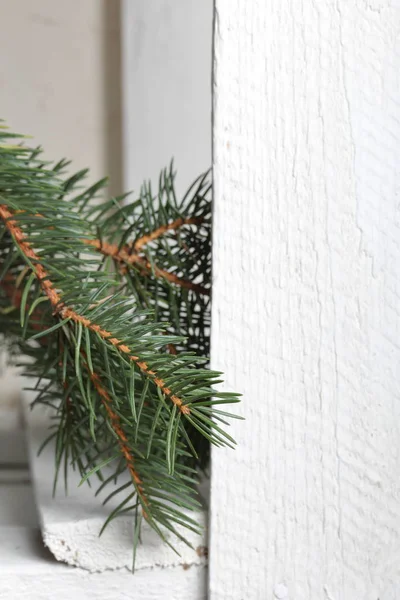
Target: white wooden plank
[
  {"x": 71, "y": 523},
  {"x": 166, "y": 70},
  {"x": 306, "y": 308},
  {"x": 29, "y": 572}
]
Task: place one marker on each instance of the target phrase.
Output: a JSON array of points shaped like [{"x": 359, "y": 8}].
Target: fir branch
[
  {"x": 121, "y": 378},
  {"x": 123, "y": 440},
  {"x": 186, "y": 254},
  {"x": 26, "y": 249},
  {"x": 147, "y": 507},
  {"x": 130, "y": 259},
  {"x": 68, "y": 313}
]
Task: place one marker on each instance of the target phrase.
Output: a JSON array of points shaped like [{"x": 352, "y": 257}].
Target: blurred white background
[{"x": 60, "y": 83}]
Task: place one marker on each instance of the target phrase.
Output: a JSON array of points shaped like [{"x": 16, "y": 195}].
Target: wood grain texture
[{"x": 306, "y": 308}]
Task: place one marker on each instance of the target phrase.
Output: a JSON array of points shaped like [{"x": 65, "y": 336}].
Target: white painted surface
[
  {"x": 306, "y": 308},
  {"x": 71, "y": 523},
  {"x": 28, "y": 572},
  {"x": 167, "y": 89}
]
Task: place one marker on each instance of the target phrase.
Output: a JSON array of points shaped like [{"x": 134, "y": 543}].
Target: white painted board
[
  {"x": 166, "y": 71},
  {"x": 29, "y": 572},
  {"x": 306, "y": 306}
]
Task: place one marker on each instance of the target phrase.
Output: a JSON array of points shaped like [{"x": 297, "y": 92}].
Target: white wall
[
  {"x": 306, "y": 308},
  {"x": 58, "y": 61},
  {"x": 167, "y": 89},
  {"x": 51, "y": 76}
]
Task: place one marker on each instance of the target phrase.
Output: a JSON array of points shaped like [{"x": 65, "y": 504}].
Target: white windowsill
[{"x": 89, "y": 567}]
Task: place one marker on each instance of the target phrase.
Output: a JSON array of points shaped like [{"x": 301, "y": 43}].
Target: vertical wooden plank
[
  {"x": 167, "y": 89},
  {"x": 306, "y": 309}
]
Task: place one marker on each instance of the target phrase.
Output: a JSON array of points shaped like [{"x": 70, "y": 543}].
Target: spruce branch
[
  {"x": 67, "y": 313},
  {"x": 133, "y": 259},
  {"x": 150, "y": 237},
  {"x": 120, "y": 354}
]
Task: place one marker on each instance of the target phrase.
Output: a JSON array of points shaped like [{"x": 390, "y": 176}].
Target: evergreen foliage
[{"x": 109, "y": 303}]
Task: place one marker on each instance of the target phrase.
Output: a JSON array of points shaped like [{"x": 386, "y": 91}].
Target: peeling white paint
[{"x": 306, "y": 306}]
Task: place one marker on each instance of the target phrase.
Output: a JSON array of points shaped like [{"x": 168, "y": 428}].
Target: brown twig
[
  {"x": 14, "y": 294},
  {"x": 116, "y": 424},
  {"x": 125, "y": 255},
  {"x": 150, "y": 237},
  {"x": 68, "y": 313},
  {"x": 122, "y": 256}
]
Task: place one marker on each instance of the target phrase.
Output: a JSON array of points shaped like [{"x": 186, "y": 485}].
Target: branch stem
[
  {"x": 124, "y": 257},
  {"x": 15, "y": 297},
  {"x": 116, "y": 425},
  {"x": 146, "y": 239},
  {"x": 68, "y": 313}
]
